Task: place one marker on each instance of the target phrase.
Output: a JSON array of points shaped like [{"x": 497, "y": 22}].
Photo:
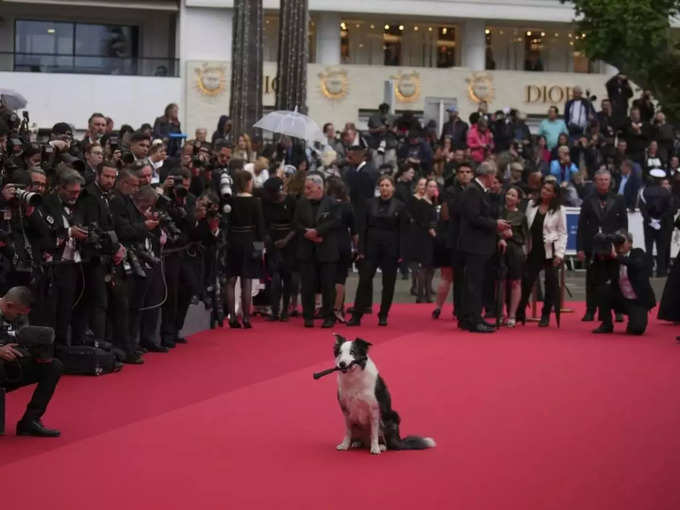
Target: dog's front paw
[
  {"x": 357, "y": 444},
  {"x": 343, "y": 446},
  {"x": 375, "y": 449},
  {"x": 383, "y": 447}
]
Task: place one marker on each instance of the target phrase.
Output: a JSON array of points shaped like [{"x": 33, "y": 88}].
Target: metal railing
[{"x": 88, "y": 64}]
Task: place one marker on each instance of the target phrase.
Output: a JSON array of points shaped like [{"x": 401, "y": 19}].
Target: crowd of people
[{"x": 117, "y": 233}]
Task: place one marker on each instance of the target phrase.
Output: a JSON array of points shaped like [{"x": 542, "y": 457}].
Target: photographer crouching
[
  {"x": 629, "y": 291},
  {"x": 25, "y": 359}
]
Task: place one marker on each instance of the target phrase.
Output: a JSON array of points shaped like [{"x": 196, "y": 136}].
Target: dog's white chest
[{"x": 356, "y": 393}]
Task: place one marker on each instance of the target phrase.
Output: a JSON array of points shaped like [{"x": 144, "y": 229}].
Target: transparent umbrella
[
  {"x": 293, "y": 124},
  {"x": 12, "y": 99}
]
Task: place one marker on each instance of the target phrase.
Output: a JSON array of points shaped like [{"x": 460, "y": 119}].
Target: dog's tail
[{"x": 412, "y": 443}]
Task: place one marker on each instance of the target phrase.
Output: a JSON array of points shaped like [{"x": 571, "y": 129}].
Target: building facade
[{"x": 129, "y": 58}]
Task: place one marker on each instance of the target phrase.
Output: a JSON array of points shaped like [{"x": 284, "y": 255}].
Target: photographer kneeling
[
  {"x": 21, "y": 367},
  {"x": 629, "y": 290}
]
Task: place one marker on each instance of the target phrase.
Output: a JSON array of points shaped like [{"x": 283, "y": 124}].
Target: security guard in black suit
[
  {"x": 106, "y": 289},
  {"x": 317, "y": 250},
  {"x": 656, "y": 209},
  {"x": 381, "y": 245},
  {"x": 17, "y": 369},
  {"x": 361, "y": 177},
  {"x": 603, "y": 211},
  {"x": 477, "y": 243}
]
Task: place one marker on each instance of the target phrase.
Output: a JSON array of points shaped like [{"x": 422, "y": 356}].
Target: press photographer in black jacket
[
  {"x": 19, "y": 368},
  {"x": 629, "y": 291}
]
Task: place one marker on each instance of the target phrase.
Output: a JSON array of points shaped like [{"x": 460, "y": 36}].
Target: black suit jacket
[
  {"x": 477, "y": 222},
  {"x": 639, "y": 271},
  {"x": 325, "y": 222},
  {"x": 594, "y": 218}
]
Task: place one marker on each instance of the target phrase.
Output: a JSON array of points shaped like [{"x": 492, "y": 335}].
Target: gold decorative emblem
[
  {"x": 480, "y": 87},
  {"x": 407, "y": 87},
  {"x": 211, "y": 79},
  {"x": 334, "y": 83}
]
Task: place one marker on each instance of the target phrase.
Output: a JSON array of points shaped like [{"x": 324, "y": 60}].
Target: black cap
[
  {"x": 62, "y": 128},
  {"x": 273, "y": 185}
]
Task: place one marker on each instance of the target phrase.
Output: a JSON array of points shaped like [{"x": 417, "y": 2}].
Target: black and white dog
[{"x": 366, "y": 403}]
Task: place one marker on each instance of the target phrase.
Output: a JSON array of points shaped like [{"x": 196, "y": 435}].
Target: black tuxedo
[
  {"x": 598, "y": 214},
  {"x": 638, "y": 269},
  {"x": 476, "y": 243},
  {"x": 317, "y": 261},
  {"x": 361, "y": 183}
]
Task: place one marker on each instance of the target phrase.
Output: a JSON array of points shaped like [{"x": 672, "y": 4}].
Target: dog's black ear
[
  {"x": 339, "y": 340},
  {"x": 362, "y": 345}
]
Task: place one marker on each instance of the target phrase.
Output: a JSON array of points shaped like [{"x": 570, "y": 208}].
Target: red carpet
[{"x": 526, "y": 418}]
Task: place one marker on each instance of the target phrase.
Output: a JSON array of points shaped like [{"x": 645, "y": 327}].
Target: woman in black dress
[
  {"x": 347, "y": 240},
  {"x": 381, "y": 244},
  {"x": 244, "y": 256},
  {"x": 279, "y": 208},
  {"x": 421, "y": 237}
]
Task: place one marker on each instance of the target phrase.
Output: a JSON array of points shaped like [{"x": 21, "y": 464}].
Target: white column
[
  {"x": 328, "y": 39},
  {"x": 473, "y": 51}
]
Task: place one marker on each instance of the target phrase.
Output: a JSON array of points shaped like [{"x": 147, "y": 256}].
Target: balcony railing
[{"x": 88, "y": 64}]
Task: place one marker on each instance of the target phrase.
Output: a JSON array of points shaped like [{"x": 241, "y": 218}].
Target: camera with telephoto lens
[
  {"x": 603, "y": 244},
  {"x": 104, "y": 241},
  {"x": 34, "y": 342},
  {"x": 168, "y": 225},
  {"x": 27, "y": 197},
  {"x": 132, "y": 265},
  {"x": 145, "y": 255},
  {"x": 225, "y": 182}
]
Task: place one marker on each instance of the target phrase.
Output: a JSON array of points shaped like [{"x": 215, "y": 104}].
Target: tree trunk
[
  {"x": 293, "y": 55},
  {"x": 246, "y": 68}
]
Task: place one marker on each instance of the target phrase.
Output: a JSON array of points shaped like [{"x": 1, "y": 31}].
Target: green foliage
[{"x": 635, "y": 36}]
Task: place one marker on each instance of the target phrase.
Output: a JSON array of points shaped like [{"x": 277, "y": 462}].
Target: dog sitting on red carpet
[{"x": 366, "y": 404}]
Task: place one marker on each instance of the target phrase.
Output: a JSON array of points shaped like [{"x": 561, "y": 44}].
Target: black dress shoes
[
  {"x": 133, "y": 359},
  {"x": 382, "y": 321},
  {"x": 435, "y": 313},
  {"x": 272, "y": 318},
  {"x": 328, "y": 323},
  {"x": 588, "y": 317},
  {"x": 284, "y": 317},
  {"x": 482, "y": 328},
  {"x": 35, "y": 428},
  {"x": 246, "y": 323},
  {"x": 155, "y": 348},
  {"x": 234, "y": 323},
  {"x": 180, "y": 340},
  {"x": 618, "y": 317},
  {"x": 354, "y": 321},
  {"x": 604, "y": 329},
  {"x": 309, "y": 323},
  {"x": 168, "y": 343},
  {"x": 544, "y": 322}
]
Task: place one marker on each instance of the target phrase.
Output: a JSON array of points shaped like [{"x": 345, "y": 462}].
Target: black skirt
[
  {"x": 514, "y": 261},
  {"x": 240, "y": 257}
]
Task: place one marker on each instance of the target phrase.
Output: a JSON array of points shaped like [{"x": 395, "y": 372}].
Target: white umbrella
[
  {"x": 292, "y": 124},
  {"x": 12, "y": 99}
]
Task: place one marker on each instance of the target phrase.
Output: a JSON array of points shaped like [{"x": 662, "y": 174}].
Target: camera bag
[{"x": 86, "y": 360}]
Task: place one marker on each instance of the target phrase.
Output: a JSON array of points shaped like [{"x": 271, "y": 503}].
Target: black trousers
[
  {"x": 532, "y": 269},
  {"x": 475, "y": 266},
  {"x": 598, "y": 273},
  {"x": 282, "y": 283},
  {"x": 59, "y": 291},
  {"x": 364, "y": 296},
  {"x": 25, "y": 371},
  {"x": 315, "y": 275},
  {"x": 610, "y": 298},
  {"x": 658, "y": 238},
  {"x": 180, "y": 279},
  {"x": 458, "y": 265},
  {"x": 145, "y": 293}
]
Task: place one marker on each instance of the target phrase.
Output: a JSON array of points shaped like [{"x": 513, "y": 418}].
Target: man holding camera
[
  {"x": 602, "y": 211},
  {"x": 18, "y": 367},
  {"x": 629, "y": 291}
]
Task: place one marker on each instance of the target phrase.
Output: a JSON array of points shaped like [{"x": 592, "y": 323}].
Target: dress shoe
[
  {"x": 488, "y": 324},
  {"x": 169, "y": 344},
  {"x": 329, "y": 322},
  {"x": 35, "y": 428},
  {"x": 382, "y": 321},
  {"x": 142, "y": 349},
  {"x": 234, "y": 324},
  {"x": 246, "y": 324},
  {"x": 284, "y": 317},
  {"x": 436, "y": 312},
  {"x": 604, "y": 328},
  {"x": 544, "y": 322},
  {"x": 354, "y": 321},
  {"x": 180, "y": 340},
  {"x": 481, "y": 328},
  {"x": 156, "y": 348},
  {"x": 588, "y": 317},
  {"x": 618, "y": 317},
  {"x": 309, "y": 323},
  {"x": 133, "y": 359},
  {"x": 272, "y": 318}
]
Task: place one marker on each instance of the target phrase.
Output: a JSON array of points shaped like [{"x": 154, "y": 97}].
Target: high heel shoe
[
  {"x": 436, "y": 312},
  {"x": 520, "y": 316},
  {"x": 234, "y": 323},
  {"x": 544, "y": 322},
  {"x": 246, "y": 323}
]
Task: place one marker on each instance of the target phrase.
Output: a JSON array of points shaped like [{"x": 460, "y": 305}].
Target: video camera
[
  {"x": 103, "y": 241},
  {"x": 604, "y": 243},
  {"x": 35, "y": 342}
]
